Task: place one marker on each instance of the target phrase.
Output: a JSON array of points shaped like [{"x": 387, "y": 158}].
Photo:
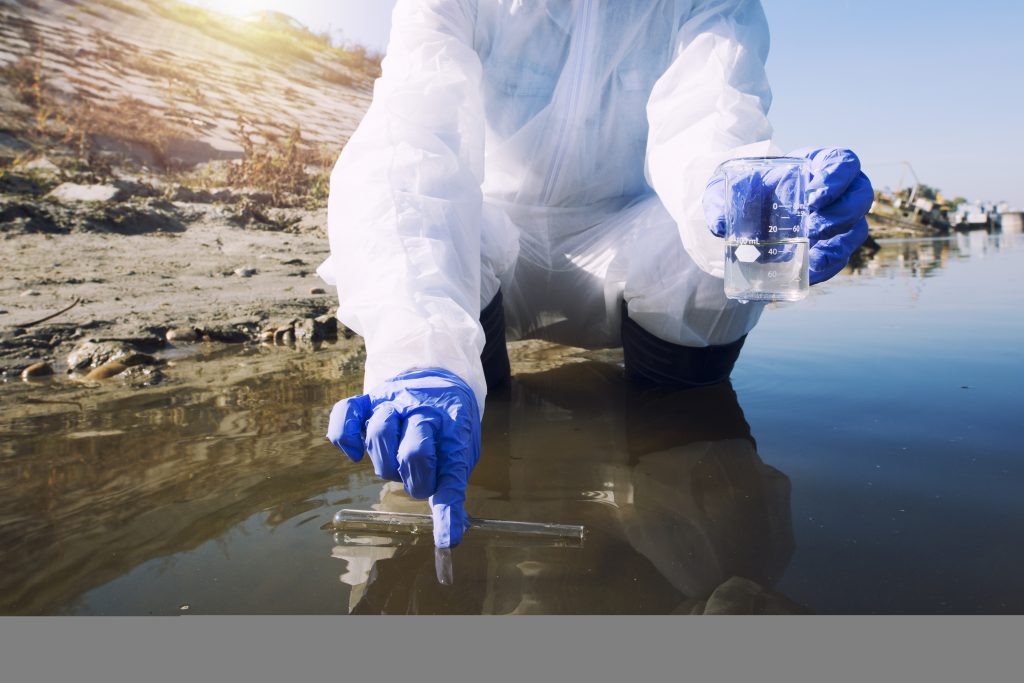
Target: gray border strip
[{"x": 517, "y": 649}]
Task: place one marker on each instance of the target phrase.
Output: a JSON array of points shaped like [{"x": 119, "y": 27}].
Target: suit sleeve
[
  {"x": 405, "y": 202},
  {"x": 710, "y": 105}
]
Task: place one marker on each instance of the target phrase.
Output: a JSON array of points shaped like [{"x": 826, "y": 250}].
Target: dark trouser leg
[
  {"x": 655, "y": 361},
  {"x": 495, "y": 355}
]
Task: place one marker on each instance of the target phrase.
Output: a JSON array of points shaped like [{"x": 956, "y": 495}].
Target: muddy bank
[
  {"x": 143, "y": 267},
  {"x": 211, "y": 283}
]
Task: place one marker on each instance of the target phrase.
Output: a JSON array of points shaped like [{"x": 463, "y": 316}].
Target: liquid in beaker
[
  {"x": 767, "y": 271},
  {"x": 766, "y": 245}
]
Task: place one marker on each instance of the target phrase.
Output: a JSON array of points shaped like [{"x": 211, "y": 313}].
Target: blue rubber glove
[
  {"x": 421, "y": 428},
  {"x": 839, "y": 196}
]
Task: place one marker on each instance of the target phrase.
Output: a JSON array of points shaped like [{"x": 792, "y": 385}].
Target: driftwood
[{"x": 52, "y": 315}]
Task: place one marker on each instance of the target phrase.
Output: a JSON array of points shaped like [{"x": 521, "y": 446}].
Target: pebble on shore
[{"x": 185, "y": 335}]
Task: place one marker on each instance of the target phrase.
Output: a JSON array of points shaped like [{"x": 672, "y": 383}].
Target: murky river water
[{"x": 865, "y": 458}]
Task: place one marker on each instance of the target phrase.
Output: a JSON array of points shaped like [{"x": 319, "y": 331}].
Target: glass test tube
[{"x": 407, "y": 522}]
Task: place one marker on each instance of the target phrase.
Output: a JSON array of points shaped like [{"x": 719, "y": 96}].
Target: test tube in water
[{"x": 412, "y": 523}]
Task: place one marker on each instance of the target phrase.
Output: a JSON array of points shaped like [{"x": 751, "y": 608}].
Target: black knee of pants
[
  {"x": 652, "y": 360},
  {"x": 495, "y": 355},
  {"x": 649, "y": 359}
]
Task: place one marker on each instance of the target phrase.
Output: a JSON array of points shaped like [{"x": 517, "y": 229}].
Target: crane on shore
[{"x": 905, "y": 168}]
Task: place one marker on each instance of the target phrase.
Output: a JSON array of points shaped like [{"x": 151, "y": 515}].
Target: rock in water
[
  {"x": 224, "y": 333},
  {"x": 144, "y": 376},
  {"x": 284, "y": 335},
  {"x": 329, "y": 324},
  {"x": 107, "y": 370},
  {"x": 36, "y": 370},
  {"x": 309, "y": 330},
  {"x": 743, "y": 596},
  {"x": 134, "y": 359},
  {"x": 92, "y": 353}
]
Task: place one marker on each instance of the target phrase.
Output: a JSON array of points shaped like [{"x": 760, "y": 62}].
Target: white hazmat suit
[{"x": 557, "y": 150}]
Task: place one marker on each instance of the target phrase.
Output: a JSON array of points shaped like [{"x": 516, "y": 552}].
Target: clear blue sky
[{"x": 938, "y": 84}]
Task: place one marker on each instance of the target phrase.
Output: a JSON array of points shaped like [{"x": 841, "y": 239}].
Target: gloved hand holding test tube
[{"x": 421, "y": 428}]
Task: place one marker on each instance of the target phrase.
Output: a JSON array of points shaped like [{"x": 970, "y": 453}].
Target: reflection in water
[
  {"x": 210, "y": 491},
  {"x": 670, "y": 487},
  {"x": 110, "y": 479},
  {"x": 922, "y": 258}
]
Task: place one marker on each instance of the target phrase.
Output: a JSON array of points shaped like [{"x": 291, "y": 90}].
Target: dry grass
[
  {"x": 89, "y": 132},
  {"x": 359, "y": 59},
  {"x": 26, "y": 78},
  {"x": 288, "y": 169},
  {"x": 337, "y": 77},
  {"x": 127, "y": 120},
  {"x": 60, "y": 121},
  {"x": 282, "y": 169}
]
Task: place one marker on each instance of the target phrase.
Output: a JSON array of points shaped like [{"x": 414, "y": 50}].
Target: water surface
[{"x": 864, "y": 459}]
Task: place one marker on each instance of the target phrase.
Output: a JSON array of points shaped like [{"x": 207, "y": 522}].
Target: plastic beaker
[{"x": 766, "y": 246}]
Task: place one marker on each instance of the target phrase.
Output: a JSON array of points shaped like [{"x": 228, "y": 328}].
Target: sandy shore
[
  {"x": 210, "y": 276},
  {"x": 163, "y": 169}
]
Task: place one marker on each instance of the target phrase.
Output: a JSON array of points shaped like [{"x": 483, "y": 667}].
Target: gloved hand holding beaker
[
  {"x": 421, "y": 428},
  {"x": 838, "y": 196}
]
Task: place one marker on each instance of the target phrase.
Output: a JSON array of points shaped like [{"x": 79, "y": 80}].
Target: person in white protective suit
[{"x": 540, "y": 168}]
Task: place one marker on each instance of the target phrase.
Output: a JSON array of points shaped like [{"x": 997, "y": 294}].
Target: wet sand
[{"x": 210, "y": 275}]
